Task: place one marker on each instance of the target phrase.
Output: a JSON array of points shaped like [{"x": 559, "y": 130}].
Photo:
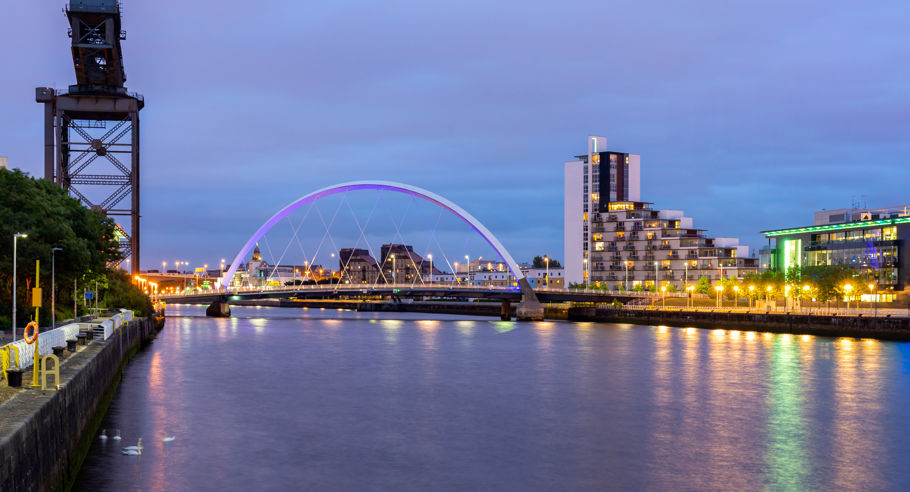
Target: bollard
[
  {"x": 14, "y": 378},
  {"x": 56, "y": 371},
  {"x": 58, "y": 351},
  {"x": 71, "y": 345}
]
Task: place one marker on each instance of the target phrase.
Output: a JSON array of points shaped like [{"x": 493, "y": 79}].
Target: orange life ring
[{"x": 28, "y": 339}]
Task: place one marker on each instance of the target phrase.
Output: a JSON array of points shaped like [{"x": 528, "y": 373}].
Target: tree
[
  {"x": 52, "y": 218},
  {"x": 539, "y": 262},
  {"x": 703, "y": 286}
]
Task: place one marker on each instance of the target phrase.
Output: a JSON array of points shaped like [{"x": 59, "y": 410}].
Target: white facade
[
  {"x": 574, "y": 223},
  {"x": 581, "y": 198}
]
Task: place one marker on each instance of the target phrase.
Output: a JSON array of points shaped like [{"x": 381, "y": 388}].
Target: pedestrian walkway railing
[{"x": 21, "y": 354}]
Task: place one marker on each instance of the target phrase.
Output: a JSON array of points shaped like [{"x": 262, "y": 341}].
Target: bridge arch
[{"x": 376, "y": 185}]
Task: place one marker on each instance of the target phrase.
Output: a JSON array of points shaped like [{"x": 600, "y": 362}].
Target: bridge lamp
[{"x": 430, "y": 256}]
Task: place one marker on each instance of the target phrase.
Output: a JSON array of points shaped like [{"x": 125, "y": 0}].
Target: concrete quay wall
[
  {"x": 823, "y": 325},
  {"x": 44, "y": 435}
]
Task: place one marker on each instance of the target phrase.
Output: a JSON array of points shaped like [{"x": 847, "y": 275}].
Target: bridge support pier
[
  {"x": 529, "y": 309},
  {"x": 505, "y": 312},
  {"x": 218, "y": 309}
]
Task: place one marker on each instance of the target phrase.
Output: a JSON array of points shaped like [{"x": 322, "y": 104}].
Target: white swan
[
  {"x": 132, "y": 452},
  {"x": 169, "y": 438},
  {"x": 137, "y": 447},
  {"x": 103, "y": 436},
  {"x": 116, "y": 436}
]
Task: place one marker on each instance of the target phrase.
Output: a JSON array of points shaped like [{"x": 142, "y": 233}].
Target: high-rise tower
[{"x": 592, "y": 181}]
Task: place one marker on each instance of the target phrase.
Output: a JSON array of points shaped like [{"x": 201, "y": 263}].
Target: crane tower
[{"x": 91, "y": 130}]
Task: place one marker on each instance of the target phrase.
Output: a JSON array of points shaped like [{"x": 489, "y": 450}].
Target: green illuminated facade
[{"x": 874, "y": 247}]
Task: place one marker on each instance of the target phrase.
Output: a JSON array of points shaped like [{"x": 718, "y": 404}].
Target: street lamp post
[
  {"x": 686, "y": 281},
  {"x": 430, "y": 256},
  {"x": 16, "y": 237},
  {"x": 53, "y": 298},
  {"x": 586, "y": 274},
  {"x": 719, "y": 289},
  {"x": 689, "y": 289},
  {"x": 627, "y": 275},
  {"x": 546, "y": 277},
  {"x": 768, "y": 298},
  {"x": 656, "y": 280},
  {"x": 751, "y": 296},
  {"x": 787, "y": 300},
  {"x": 663, "y": 291},
  {"x": 874, "y": 299},
  {"x": 467, "y": 270},
  {"x": 394, "y": 272},
  {"x": 847, "y": 289}
]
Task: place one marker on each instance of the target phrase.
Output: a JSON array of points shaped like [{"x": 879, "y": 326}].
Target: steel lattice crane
[{"x": 91, "y": 130}]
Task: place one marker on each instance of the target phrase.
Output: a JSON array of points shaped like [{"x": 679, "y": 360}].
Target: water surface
[{"x": 286, "y": 399}]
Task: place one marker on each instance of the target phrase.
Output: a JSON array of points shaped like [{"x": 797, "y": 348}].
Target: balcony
[
  {"x": 629, "y": 247},
  {"x": 633, "y": 257},
  {"x": 664, "y": 246},
  {"x": 620, "y": 227}
]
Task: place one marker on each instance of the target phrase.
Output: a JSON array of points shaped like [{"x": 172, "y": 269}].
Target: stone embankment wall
[
  {"x": 44, "y": 435},
  {"x": 825, "y": 325}
]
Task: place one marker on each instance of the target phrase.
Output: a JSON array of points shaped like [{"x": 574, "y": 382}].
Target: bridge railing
[{"x": 348, "y": 288}]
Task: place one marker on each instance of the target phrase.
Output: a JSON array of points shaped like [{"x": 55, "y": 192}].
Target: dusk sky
[{"x": 747, "y": 115}]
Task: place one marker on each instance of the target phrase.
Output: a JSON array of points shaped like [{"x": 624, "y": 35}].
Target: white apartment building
[{"x": 592, "y": 181}]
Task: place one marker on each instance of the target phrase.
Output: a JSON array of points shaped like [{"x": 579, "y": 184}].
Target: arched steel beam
[{"x": 375, "y": 185}]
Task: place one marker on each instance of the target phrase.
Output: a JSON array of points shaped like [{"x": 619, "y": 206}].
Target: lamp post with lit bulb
[
  {"x": 16, "y": 237},
  {"x": 53, "y": 286}
]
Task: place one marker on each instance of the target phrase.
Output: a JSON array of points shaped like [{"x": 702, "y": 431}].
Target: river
[{"x": 287, "y": 399}]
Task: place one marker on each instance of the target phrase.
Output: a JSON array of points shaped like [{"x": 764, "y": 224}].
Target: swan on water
[
  {"x": 137, "y": 447},
  {"x": 132, "y": 452},
  {"x": 103, "y": 435},
  {"x": 116, "y": 436},
  {"x": 169, "y": 438}
]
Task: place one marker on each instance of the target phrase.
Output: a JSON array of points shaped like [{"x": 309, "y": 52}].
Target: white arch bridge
[{"x": 529, "y": 306}]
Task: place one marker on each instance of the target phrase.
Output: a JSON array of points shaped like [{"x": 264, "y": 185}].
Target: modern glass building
[{"x": 872, "y": 241}]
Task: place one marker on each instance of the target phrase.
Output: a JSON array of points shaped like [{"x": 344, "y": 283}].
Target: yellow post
[
  {"x": 55, "y": 372},
  {"x": 36, "y": 301}
]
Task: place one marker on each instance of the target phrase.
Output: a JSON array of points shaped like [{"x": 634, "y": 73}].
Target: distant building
[
  {"x": 873, "y": 241},
  {"x": 619, "y": 241},
  {"x": 357, "y": 266},
  {"x": 543, "y": 278},
  {"x": 3, "y": 163}
]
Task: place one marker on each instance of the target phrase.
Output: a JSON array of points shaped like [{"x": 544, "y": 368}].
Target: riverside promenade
[
  {"x": 44, "y": 434},
  {"x": 831, "y": 325}
]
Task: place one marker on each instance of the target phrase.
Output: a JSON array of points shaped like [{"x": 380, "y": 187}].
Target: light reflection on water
[{"x": 290, "y": 399}]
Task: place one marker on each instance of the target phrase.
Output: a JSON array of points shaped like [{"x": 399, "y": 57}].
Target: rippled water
[{"x": 280, "y": 399}]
